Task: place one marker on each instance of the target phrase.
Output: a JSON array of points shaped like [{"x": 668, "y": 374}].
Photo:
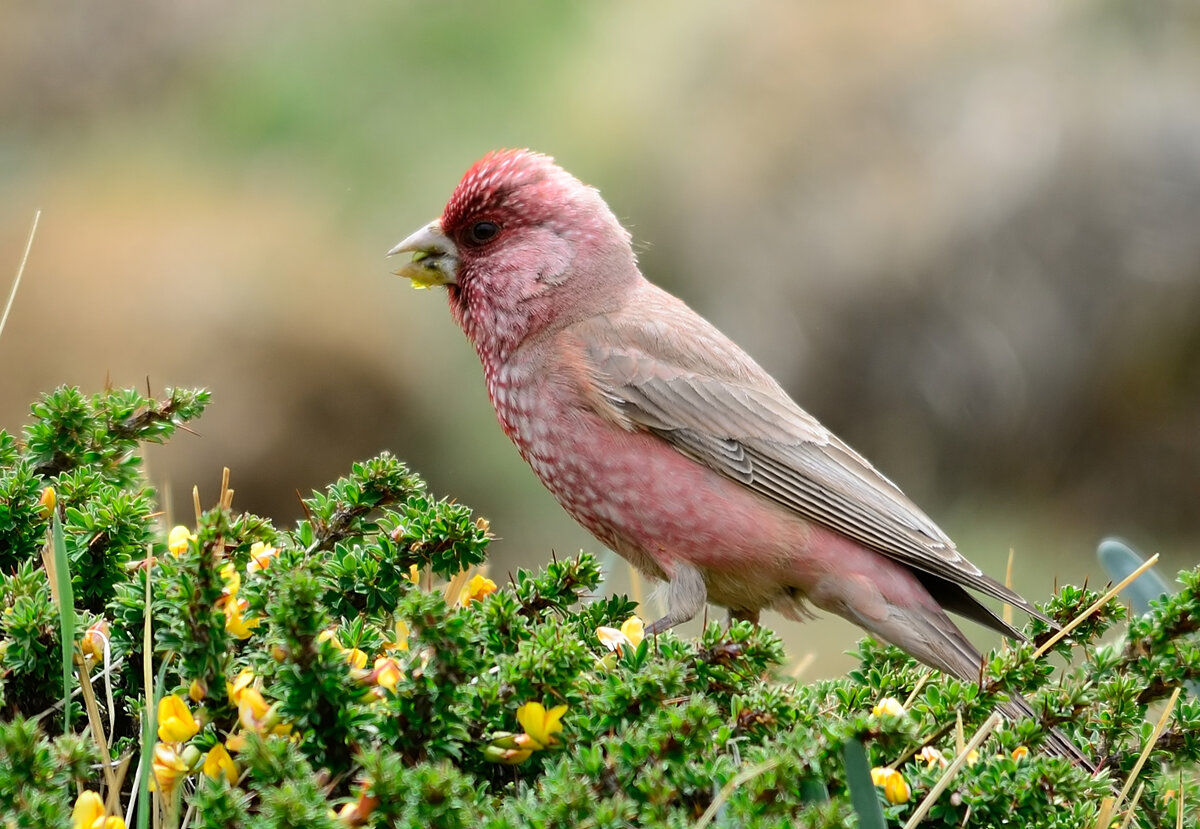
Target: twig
[
  {"x": 952, "y": 769},
  {"x": 1099, "y": 603},
  {"x": 1133, "y": 804},
  {"x": 1159, "y": 727},
  {"x": 93, "y": 715},
  {"x": 12, "y": 294}
]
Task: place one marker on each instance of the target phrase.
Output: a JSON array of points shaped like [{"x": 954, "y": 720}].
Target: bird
[{"x": 669, "y": 443}]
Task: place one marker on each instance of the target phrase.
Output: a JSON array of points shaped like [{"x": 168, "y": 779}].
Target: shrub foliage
[{"x": 347, "y": 672}]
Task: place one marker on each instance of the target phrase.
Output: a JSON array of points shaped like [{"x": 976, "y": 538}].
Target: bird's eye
[{"x": 482, "y": 232}]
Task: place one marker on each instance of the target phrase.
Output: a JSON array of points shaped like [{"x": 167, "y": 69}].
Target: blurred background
[{"x": 965, "y": 235}]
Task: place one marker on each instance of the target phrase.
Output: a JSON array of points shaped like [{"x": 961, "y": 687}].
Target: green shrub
[{"x": 346, "y": 672}]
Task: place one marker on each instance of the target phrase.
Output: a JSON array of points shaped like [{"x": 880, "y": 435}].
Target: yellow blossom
[
  {"x": 175, "y": 722},
  {"x": 972, "y": 757},
  {"x": 197, "y": 690},
  {"x": 47, "y": 503},
  {"x": 329, "y": 635},
  {"x": 235, "y": 622},
  {"x": 387, "y": 673},
  {"x": 179, "y": 539},
  {"x": 414, "y": 574},
  {"x": 236, "y": 742},
  {"x": 95, "y": 639},
  {"x": 168, "y": 768},
  {"x": 539, "y": 724},
  {"x": 509, "y": 756},
  {"x": 89, "y": 814},
  {"x": 218, "y": 764},
  {"x": 894, "y": 786},
  {"x": 476, "y": 589},
  {"x": 932, "y": 757},
  {"x": 611, "y": 638},
  {"x": 1020, "y": 753},
  {"x": 400, "y": 640},
  {"x": 253, "y": 710},
  {"x": 356, "y": 658},
  {"x": 888, "y": 707},
  {"x": 233, "y": 581},
  {"x": 240, "y": 683},
  {"x": 260, "y": 557},
  {"x": 632, "y": 633},
  {"x": 634, "y": 630}
]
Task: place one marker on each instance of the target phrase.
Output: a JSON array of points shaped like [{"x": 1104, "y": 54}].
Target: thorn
[{"x": 307, "y": 514}]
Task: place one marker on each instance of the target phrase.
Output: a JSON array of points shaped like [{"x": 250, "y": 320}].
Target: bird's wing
[{"x": 668, "y": 371}]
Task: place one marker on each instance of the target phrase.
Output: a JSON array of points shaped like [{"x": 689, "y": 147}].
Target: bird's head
[{"x": 521, "y": 246}]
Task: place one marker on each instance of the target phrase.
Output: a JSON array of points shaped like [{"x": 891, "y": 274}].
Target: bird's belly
[{"x": 655, "y": 506}]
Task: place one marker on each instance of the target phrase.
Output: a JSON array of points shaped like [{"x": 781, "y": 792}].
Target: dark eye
[{"x": 482, "y": 232}]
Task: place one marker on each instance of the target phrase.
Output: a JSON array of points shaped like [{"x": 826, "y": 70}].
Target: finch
[{"x": 667, "y": 442}]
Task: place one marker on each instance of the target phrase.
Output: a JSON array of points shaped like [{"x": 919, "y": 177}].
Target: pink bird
[{"x": 668, "y": 442}]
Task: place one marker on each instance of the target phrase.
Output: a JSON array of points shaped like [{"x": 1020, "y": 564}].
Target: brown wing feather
[{"x": 707, "y": 398}]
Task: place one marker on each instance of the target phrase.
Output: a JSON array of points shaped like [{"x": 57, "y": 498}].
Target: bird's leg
[
  {"x": 741, "y": 614},
  {"x": 686, "y": 595}
]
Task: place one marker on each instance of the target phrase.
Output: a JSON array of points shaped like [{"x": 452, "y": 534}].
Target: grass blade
[
  {"x": 862, "y": 790},
  {"x": 66, "y": 612}
]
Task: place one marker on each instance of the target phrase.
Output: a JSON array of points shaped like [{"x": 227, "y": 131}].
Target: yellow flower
[
  {"x": 632, "y": 633},
  {"x": 233, "y": 581},
  {"x": 1020, "y": 753},
  {"x": 508, "y": 756},
  {"x": 218, "y": 764},
  {"x": 95, "y": 639},
  {"x": 611, "y": 638},
  {"x": 168, "y": 768},
  {"x": 400, "y": 640},
  {"x": 931, "y": 757},
  {"x": 47, "y": 503},
  {"x": 89, "y": 814},
  {"x": 539, "y": 724},
  {"x": 888, "y": 707},
  {"x": 253, "y": 710},
  {"x": 894, "y": 786},
  {"x": 260, "y": 557},
  {"x": 235, "y": 623},
  {"x": 329, "y": 635},
  {"x": 356, "y": 658},
  {"x": 476, "y": 589},
  {"x": 175, "y": 722},
  {"x": 634, "y": 630},
  {"x": 236, "y": 742},
  {"x": 197, "y": 690},
  {"x": 972, "y": 757},
  {"x": 387, "y": 673},
  {"x": 240, "y": 683},
  {"x": 414, "y": 574},
  {"x": 179, "y": 539}
]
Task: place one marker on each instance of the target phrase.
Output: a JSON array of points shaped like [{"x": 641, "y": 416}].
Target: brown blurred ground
[{"x": 965, "y": 235}]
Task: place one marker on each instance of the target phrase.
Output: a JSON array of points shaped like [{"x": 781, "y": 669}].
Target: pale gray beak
[{"x": 434, "y": 257}]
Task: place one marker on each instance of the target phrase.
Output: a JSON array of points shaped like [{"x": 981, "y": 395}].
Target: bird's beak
[{"x": 434, "y": 257}]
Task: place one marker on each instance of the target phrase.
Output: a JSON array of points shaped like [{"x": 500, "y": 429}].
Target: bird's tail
[{"x": 932, "y": 638}]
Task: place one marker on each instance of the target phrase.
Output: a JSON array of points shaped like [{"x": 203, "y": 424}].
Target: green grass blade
[
  {"x": 862, "y": 791},
  {"x": 66, "y": 613}
]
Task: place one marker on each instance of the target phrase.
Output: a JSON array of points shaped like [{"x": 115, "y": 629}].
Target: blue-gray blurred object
[{"x": 1120, "y": 560}]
